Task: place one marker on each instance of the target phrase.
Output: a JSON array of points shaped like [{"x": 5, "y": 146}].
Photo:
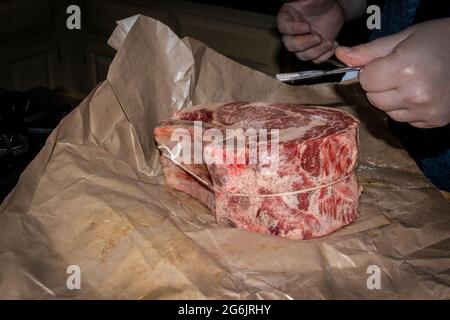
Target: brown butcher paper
[{"x": 93, "y": 203}]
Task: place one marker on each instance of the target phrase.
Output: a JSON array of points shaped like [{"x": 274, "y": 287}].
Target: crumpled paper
[{"x": 94, "y": 198}]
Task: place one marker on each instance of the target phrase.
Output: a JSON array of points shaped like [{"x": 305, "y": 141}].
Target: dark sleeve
[
  {"x": 429, "y": 10},
  {"x": 355, "y": 32}
]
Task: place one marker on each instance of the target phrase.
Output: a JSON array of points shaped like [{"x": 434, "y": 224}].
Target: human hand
[
  {"x": 407, "y": 75},
  {"x": 309, "y": 28}
]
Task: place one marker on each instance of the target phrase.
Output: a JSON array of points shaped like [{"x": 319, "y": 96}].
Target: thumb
[{"x": 365, "y": 53}]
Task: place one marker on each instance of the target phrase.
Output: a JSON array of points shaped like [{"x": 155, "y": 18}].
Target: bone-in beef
[{"x": 311, "y": 192}]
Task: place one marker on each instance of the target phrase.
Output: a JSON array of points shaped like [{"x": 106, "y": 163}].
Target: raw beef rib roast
[{"x": 312, "y": 190}]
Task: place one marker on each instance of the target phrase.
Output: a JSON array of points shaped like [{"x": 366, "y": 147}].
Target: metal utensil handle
[{"x": 284, "y": 77}]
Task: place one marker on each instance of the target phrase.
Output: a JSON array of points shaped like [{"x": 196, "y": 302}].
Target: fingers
[
  {"x": 310, "y": 47},
  {"x": 404, "y": 115},
  {"x": 299, "y": 38},
  {"x": 316, "y": 52},
  {"x": 393, "y": 103},
  {"x": 397, "y": 105},
  {"x": 387, "y": 101},
  {"x": 415, "y": 115},
  {"x": 363, "y": 54},
  {"x": 301, "y": 42},
  {"x": 293, "y": 28},
  {"x": 423, "y": 125},
  {"x": 381, "y": 74},
  {"x": 326, "y": 55},
  {"x": 290, "y": 22}
]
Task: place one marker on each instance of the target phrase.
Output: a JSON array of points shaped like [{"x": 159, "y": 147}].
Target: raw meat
[{"x": 313, "y": 190}]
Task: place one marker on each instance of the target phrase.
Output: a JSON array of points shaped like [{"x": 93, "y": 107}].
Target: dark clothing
[
  {"x": 430, "y": 148},
  {"x": 429, "y": 10},
  {"x": 397, "y": 15}
]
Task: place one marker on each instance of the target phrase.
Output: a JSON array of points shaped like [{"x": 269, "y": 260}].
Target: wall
[{"x": 38, "y": 50}]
